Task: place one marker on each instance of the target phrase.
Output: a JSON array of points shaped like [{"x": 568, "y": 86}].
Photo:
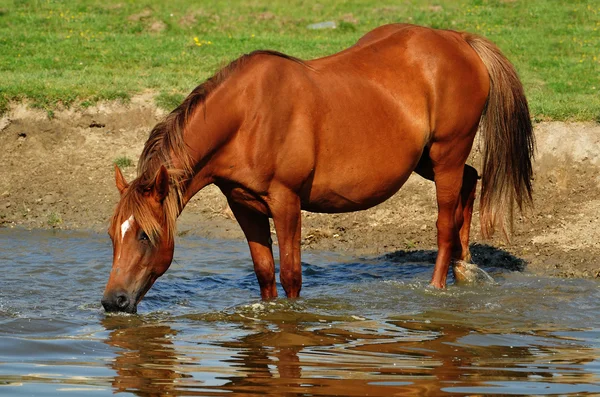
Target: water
[{"x": 364, "y": 326}]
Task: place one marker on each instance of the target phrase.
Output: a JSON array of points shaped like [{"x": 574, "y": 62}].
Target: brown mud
[{"x": 58, "y": 173}]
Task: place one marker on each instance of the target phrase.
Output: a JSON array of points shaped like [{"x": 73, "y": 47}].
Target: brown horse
[{"x": 335, "y": 134}]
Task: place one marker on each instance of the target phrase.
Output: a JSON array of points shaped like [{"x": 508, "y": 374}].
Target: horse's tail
[{"x": 509, "y": 142}]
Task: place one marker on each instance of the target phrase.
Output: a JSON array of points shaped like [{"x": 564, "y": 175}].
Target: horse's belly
[
  {"x": 364, "y": 164},
  {"x": 352, "y": 194}
]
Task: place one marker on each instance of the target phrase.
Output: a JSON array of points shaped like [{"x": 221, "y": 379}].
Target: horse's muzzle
[{"x": 119, "y": 302}]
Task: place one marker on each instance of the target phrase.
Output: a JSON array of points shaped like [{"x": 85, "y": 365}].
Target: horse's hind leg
[
  {"x": 448, "y": 183},
  {"x": 462, "y": 266},
  {"x": 455, "y": 190},
  {"x": 258, "y": 233},
  {"x": 465, "y": 210}
]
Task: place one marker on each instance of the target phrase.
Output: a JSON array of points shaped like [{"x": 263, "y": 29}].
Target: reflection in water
[
  {"x": 147, "y": 363},
  {"x": 266, "y": 359},
  {"x": 367, "y": 326},
  {"x": 349, "y": 359}
]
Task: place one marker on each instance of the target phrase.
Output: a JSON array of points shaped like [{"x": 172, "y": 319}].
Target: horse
[{"x": 341, "y": 133}]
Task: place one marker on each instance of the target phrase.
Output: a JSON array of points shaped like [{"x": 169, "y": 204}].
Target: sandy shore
[{"x": 59, "y": 173}]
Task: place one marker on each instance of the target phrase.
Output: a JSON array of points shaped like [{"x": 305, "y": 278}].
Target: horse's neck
[{"x": 211, "y": 125}]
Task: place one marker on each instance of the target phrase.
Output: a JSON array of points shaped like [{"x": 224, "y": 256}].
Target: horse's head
[{"x": 142, "y": 235}]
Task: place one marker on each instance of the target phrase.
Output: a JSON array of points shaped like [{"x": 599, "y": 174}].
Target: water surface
[{"x": 363, "y": 326}]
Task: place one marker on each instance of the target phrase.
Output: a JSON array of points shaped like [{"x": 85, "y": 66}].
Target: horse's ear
[
  {"x": 120, "y": 180},
  {"x": 161, "y": 184}
]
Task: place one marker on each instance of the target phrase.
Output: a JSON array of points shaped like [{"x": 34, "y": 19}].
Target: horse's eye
[{"x": 143, "y": 236}]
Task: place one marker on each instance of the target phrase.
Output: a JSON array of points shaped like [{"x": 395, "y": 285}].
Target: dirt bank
[{"x": 59, "y": 173}]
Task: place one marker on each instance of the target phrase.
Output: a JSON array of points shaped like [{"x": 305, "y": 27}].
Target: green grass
[
  {"x": 81, "y": 51},
  {"x": 123, "y": 162},
  {"x": 169, "y": 100},
  {"x": 54, "y": 220}
]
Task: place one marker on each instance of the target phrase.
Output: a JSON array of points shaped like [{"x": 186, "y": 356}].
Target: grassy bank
[{"x": 81, "y": 51}]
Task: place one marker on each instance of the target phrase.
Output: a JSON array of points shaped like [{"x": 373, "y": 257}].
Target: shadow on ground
[{"x": 486, "y": 256}]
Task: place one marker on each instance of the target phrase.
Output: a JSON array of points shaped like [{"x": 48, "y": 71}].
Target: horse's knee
[
  {"x": 291, "y": 280},
  {"x": 265, "y": 274},
  {"x": 265, "y": 271}
]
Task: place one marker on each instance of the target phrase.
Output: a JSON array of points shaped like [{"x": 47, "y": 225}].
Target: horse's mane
[{"x": 165, "y": 143}]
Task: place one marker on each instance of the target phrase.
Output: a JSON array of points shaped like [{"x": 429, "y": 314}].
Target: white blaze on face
[
  {"x": 124, "y": 229},
  {"x": 126, "y": 226}
]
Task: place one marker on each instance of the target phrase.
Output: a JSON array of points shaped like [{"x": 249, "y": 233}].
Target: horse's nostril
[
  {"x": 122, "y": 301},
  {"x": 116, "y": 302}
]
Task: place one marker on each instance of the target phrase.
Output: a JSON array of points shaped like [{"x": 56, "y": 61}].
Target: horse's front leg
[
  {"x": 258, "y": 233},
  {"x": 285, "y": 209}
]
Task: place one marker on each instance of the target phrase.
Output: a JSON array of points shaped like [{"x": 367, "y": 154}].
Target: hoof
[
  {"x": 433, "y": 285},
  {"x": 470, "y": 273}
]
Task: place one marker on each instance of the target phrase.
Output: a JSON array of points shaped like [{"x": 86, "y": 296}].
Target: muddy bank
[{"x": 59, "y": 174}]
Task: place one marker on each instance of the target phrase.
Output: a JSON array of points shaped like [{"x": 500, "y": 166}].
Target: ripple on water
[{"x": 363, "y": 325}]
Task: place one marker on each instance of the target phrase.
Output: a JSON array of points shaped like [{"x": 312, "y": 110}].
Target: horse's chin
[{"x": 125, "y": 311}]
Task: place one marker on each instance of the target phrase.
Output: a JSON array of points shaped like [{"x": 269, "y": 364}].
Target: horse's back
[{"x": 415, "y": 63}]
